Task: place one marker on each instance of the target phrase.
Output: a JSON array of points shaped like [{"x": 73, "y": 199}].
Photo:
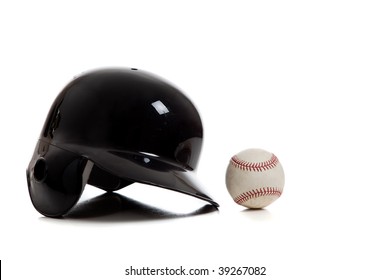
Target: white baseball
[{"x": 255, "y": 178}]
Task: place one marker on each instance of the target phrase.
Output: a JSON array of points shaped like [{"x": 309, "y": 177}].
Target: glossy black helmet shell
[{"x": 110, "y": 128}]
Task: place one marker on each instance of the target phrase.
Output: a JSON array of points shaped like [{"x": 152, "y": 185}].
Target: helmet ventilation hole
[{"x": 40, "y": 170}]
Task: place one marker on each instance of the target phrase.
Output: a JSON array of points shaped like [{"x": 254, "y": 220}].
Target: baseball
[{"x": 254, "y": 178}]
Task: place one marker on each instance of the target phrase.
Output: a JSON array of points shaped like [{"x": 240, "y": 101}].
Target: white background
[{"x": 306, "y": 80}]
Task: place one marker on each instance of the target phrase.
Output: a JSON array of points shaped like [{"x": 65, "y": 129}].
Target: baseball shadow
[
  {"x": 257, "y": 214},
  {"x": 114, "y": 207}
]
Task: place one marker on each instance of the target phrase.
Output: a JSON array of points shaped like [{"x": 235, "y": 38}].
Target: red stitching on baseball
[
  {"x": 257, "y": 193},
  {"x": 254, "y": 166}
]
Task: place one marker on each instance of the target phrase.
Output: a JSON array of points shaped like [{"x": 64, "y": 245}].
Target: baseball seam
[
  {"x": 254, "y": 166},
  {"x": 265, "y": 191}
]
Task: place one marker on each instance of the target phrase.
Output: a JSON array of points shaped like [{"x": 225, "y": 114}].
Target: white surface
[{"x": 307, "y": 80}]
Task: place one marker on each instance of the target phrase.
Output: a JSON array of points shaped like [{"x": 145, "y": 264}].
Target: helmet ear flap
[{"x": 56, "y": 179}]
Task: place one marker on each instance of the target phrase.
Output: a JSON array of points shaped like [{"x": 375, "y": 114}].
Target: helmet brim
[{"x": 152, "y": 170}]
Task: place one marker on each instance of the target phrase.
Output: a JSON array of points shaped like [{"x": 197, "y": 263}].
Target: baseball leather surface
[{"x": 254, "y": 178}]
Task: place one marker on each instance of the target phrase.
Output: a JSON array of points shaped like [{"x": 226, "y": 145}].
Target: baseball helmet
[{"x": 110, "y": 128}]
